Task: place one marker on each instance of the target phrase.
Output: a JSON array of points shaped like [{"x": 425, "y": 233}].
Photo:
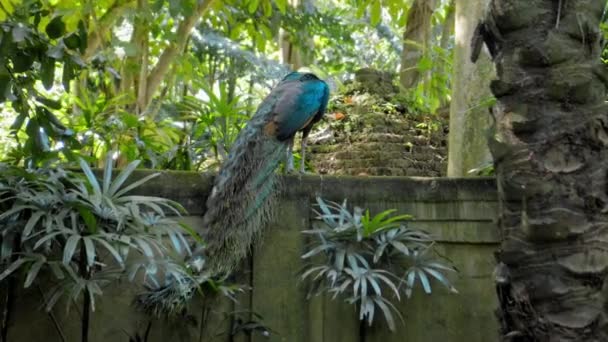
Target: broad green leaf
[
  {"x": 281, "y": 5},
  {"x": 375, "y": 13},
  {"x": 55, "y": 28},
  {"x": 253, "y": 6},
  {"x": 425, "y": 63},
  {"x": 72, "y": 41}
]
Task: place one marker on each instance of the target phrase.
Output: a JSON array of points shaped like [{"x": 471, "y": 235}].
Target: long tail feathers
[{"x": 242, "y": 199}]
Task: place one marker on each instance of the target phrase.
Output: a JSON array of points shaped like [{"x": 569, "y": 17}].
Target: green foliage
[
  {"x": 67, "y": 97},
  {"x": 86, "y": 233},
  {"x": 370, "y": 260},
  {"x": 29, "y": 62}
]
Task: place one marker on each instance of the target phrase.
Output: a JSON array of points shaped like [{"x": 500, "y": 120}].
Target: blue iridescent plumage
[{"x": 241, "y": 201}]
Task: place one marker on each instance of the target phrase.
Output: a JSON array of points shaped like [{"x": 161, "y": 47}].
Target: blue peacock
[
  {"x": 241, "y": 201},
  {"x": 243, "y": 194}
]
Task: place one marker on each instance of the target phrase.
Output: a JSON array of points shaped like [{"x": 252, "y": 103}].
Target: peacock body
[{"x": 242, "y": 199}]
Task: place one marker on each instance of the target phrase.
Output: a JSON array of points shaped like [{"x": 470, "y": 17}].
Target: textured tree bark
[
  {"x": 292, "y": 54},
  {"x": 448, "y": 25},
  {"x": 549, "y": 149},
  {"x": 469, "y": 119},
  {"x": 415, "y": 40},
  {"x": 101, "y": 28},
  {"x": 166, "y": 59}
]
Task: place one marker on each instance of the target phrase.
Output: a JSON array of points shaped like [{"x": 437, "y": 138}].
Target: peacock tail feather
[{"x": 242, "y": 199}]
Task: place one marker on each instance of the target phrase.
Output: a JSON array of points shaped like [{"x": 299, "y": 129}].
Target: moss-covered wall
[{"x": 460, "y": 213}]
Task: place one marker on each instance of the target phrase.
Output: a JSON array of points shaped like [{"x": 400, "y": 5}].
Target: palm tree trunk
[{"x": 549, "y": 148}]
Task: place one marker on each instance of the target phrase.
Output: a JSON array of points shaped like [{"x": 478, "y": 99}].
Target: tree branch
[
  {"x": 105, "y": 23},
  {"x": 142, "y": 58},
  {"x": 174, "y": 49}
]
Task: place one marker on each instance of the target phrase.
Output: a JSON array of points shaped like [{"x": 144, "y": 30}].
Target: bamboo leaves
[
  {"x": 82, "y": 230},
  {"x": 369, "y": 260}
]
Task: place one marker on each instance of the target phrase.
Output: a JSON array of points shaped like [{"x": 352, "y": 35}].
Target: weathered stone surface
[
  {"x": 458, "y": 212},
  {"x": 373, "y": 139}
]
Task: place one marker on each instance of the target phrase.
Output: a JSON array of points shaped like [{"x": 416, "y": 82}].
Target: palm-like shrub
[
  {"x": 86, "y": 233},
  {"x": 369, "y": 260}
]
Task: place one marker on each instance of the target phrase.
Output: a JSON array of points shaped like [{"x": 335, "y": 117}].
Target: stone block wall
[{"x": 460, "y": 213}]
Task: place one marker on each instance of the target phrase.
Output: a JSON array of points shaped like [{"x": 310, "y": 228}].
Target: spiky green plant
[
  {"x": 84, "y": 232},
  {"x": 369, "y": 260}
]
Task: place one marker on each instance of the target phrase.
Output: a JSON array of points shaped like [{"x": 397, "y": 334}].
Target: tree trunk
[
  {"x": 469, "y": 119},
  {"x": 448, "y": 25},
  {"x": 415, "y": 40},
  {"x": 142, "y": 34},
  {"x": 172, "y": 51},
  {"x": 549, "y": 149},
  {"x": 291, "y": 54}
]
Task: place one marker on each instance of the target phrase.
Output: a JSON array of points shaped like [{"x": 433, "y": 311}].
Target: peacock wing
[{"x": 297, "y": 104}]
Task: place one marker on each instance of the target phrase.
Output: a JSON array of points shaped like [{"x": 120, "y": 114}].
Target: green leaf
[
  {"x": 134, "y": 184},
  {"x": 157, "y": 5},
  {"x": 122, "y": 177},
  {"x": 82, "y": 33},
  {"x": 55, "y": 28},
  {"x": 72, "y": 41},
  {"x": 68, "y": 75},
  {"x": 33, "y": 272},
  {"x": 375, "y": 13},
  {"x": 90, "y": 176},
  {"x": 70, "y": 248},
  {"x": 281, "y": 5},
  {"x": 46, "y": 238},
  {"x": 12, "y": 267},
  {"x": 107, "y": 173},
  {"x": 110, "y": 249},
  {"x": 31, "y": 223},
  {"x": 5, "y": 86},
  {"x": 89, "y": 219},
  {"x": 425, "y": 64},
  {"x": 425, "y": 281},
  {"x": 53, "y": 105},
  {"x": 89, "y": 250},
  {"x": 441, "y": 277},
  {"x": 22, "y": 61},
  {"x": 253, "y": 6}
]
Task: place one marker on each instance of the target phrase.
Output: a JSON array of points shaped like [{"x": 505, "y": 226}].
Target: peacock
[{"x": 241, "y": 200}]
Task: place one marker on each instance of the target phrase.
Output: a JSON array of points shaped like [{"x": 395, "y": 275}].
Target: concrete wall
[{"x": 459, "y": 212}]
